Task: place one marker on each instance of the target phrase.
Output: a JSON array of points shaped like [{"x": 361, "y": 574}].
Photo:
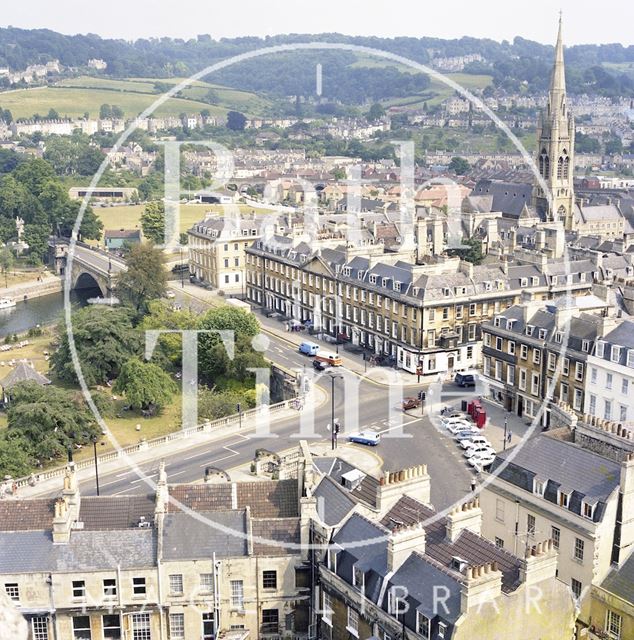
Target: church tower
[{"x": 555, "y": 150}]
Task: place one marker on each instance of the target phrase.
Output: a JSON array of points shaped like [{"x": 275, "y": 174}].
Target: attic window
[
  {"x": 358, "y": 578},
  {"x": 446, "y": 291},
  {"x": 615, "y": 354},
  {"x": 510, "y": 323},
  {"x": 585, "y": 346},
  {"x": 529, "y": 329},
  {"x": 360, "y": 275},
  {"x": 630, "y": 358},
  {"x": 600, "y": 348},
  {"x": 384, "y": 282},
  {"x": 587, "y": 509},
  {"x": 346, "y": 271},
  {"x": 487, "y": 286},
  {"x": 397, "y": 286},
  {"x": 293, "y": 255},
  {"x": 563, "y": 498},
  {"x": 542, "y": 334},
  {"x": 416, "y": 291},
  {"x": 524, "y": 282},
  {"x": 373, "y": 279},
  {"x": 559, "y": 337},
  {"x": 496, "y": 322},
  {"x": 535, "y": 281},
  {"x": 539, "y": 487},
  {"x": 458, "y": 564}
]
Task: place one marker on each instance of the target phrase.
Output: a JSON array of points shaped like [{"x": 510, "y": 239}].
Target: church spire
[{"x": 557, "y": 93}]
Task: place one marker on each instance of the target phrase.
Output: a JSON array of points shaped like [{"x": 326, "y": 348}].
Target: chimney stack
[
  {"x": 626, "y": 543},
  {"x": 539, "y": 563},
  {"x": 402, "y": 542},
  {"x": 483, "y": 584},
  {"x": 467, "y": 516},
  {"x": 413, "y": 482},
  {"x": 62, "y": 522}
]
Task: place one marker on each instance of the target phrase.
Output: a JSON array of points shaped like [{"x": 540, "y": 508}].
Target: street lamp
[
  {"x": 94, "y": 448},
  {"x": 239, "y": 409},
  {"x": 182, "y": 270},
  {"x": 333, "y": 432},
  {"x": 506, "y": 421}
]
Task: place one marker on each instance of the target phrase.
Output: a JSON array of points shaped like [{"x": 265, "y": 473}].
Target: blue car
[{"x": 365, "y": 437}]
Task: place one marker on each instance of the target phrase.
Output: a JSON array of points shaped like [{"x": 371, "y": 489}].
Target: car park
[
  {"x": 475, "y": 441},
  {"x": 369, "y": 438},
  {"x": 480, "y": 449}
]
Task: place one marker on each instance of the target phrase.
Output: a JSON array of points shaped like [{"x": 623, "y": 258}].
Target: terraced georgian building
[{"x": 420, "y": 314}]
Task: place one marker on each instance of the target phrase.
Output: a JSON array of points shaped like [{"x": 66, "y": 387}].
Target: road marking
[{"x": 233, "y": 455}]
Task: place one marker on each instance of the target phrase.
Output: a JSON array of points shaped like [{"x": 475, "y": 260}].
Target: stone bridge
[{"x": 91, "y": 267}]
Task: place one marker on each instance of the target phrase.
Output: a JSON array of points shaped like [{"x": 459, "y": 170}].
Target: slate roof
[
  {"x": 267, "y": 499},
  {"x": 188, "y": 538},
  {"x": 281, "y": 530},
  {"x": 336, "y": 467},
  {"x": 566, "y": 466},
  {"x": 469, "y": 546},
  {"x": 507, "y": 197},
  {"x": 23, "y": 372},
  {"x": 35, "y": 514},
  {"x": 34, "y": 551},
  {"x": 115, "y": 512},
  {"x": 620, "y": 581},
  {"x": 333, "y": 501}
]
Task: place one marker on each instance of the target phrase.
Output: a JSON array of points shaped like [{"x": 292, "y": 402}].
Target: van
[
  {"x": 333, "y": 359},
  {"x": 465, "y": 379},
  {"x": 309, "y": 348}
]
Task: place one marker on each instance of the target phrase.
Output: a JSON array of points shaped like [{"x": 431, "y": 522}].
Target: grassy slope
[{"x": 74, "y": 96}]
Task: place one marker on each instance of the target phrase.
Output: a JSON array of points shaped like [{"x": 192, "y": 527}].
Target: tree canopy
[
  {"x": 153, "y": 221},
  {"x": 145, "y": 279},
  {"x": 144, "y": 384},
  {"x": 104, "y": 339}
]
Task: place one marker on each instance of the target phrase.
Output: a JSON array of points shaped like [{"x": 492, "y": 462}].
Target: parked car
[
  {"x": 410, "y": 403},
  {"x": 170, "y": 295},
  {"x": 465, "y": 379},
  {"x": 365, "y": 437},
  {"x": 454, "y": 427},
  {"x": 482, "y": 460},
  {"x": 457, "y": 418},
  {"x": 273, "y": 314},
  {"x": 320, "y": 365},
  {"x": 474, "y": 442},
  {"x": 474, "y": 451},
  {"x": 465, "y": 434}
]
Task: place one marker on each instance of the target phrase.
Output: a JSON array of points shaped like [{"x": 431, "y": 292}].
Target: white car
[
  {"x": 482, "y": 460},
  {"x": 480, "y": 449},
  {"x": 466, "y": 433},
  {"x": 475, "y": 441},
  {"x": 454, "y": 427}
]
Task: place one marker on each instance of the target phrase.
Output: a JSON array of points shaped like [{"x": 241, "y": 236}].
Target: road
[{"x": 407, "y": 438}]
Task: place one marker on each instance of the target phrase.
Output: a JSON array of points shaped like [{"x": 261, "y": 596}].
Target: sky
[{"x": 585, "y": 21}]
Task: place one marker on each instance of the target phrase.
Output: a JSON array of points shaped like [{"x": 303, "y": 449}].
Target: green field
[
  {"x": 75, "y": 96},
  {"x": 129, "y": 216}
]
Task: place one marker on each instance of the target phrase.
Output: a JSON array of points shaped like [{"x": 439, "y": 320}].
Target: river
[{"x": 45, "y": 310}]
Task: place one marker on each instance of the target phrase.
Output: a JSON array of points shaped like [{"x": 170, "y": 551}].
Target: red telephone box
[{"x": 477, "y": 413}]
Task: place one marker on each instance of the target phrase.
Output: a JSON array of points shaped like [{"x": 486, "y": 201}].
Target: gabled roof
[
  {"x": 333, "y": 501},
  {"x": 23, "y": 372}
]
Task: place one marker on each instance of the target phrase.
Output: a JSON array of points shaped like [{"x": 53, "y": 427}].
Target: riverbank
[{"x": 46, "y": 284}]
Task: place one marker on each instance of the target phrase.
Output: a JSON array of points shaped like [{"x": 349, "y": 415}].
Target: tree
[
  {"x": 145, "y": 279},
  {"x": 49, "y": 420},
  {"x": 52, "y": 114},
  {"x": 7, "y": 260},
  {"x": 161, "y": 316},
  {"x": 376, "y": 112},
  {"x": 236, "y": 121},
  {"x": 104, "y": 340},
  {"x": 144, "y": 384},
  {"x": 218, "y": 404},
  {"x": 153, "y": 221},
  {"x": 460, "y": 166},
  {"x": 471, "y": 253},
  {"x": 14, "y": 457},
  {"x": 213, "y": 358},
  {"x": 36, "y": 236}
]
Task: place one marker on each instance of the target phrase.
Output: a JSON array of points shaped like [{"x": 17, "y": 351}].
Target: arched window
[
  {"x": 560, "y": 168},
  {"x": 566, "y": 167},
  {"x": 561, "y": 212},
  {"x": 544, "y": 164}
]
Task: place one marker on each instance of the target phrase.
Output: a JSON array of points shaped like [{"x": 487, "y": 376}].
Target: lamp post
[
  {"x": 333, "y": 432},
  {"x": 239, "y": 409},
  {"x": 506, "y": 421},
  {"x": 182, "y": 270},
  {"x": 94, "y": 448}
]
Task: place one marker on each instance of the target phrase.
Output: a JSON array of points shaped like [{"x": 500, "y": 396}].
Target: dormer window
[
  {"x": 600, "y": 348},
  {"x": 332, "y": 559},
  {"x": 446, "y": 291},
  {"x": 360, "y": 275},
  {"x": 358, "y": 578},
  {"x": 529, "y": 329},
  {"x": 397, "y": 286},
  {"x": 615, "y": 354},
  {"x": 500, "y": 284},
  {"x": 539, "y": 487},
  {"x": 524, "y": 282},
  {"x": 559, "y": 337},
  {"x": 373, "y": 279},
  {"x": 496, "y": 322},
  {"x": 542, "y": 334},
  {"x": 346, "y": 271},
  {"x": 535, "y": 281},
  {"x": 582, "y": 277},
  {"x": 416, "y": 291},
  {"x": 587, "y": 509},
  {"x": 554, "y": 279},
  {"x": 630, "y": 358},
  {"x": 384, "y": 282},
  {"x": 509, "y": 324},
  {"x": 563, "y": 498},
  {"x": 585, "y": 346},
  {"x": 487, "y": 286}
]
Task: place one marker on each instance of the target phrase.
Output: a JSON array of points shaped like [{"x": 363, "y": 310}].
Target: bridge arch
[{"x": 85, "y": 280}]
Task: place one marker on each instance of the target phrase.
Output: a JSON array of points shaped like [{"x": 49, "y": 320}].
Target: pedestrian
[
  {"x": 473, "y": 484},
  {"x": 508, "y": 438}
]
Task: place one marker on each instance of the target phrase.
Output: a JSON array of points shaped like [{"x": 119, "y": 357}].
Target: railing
[{"x": 206, "y": 426}]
